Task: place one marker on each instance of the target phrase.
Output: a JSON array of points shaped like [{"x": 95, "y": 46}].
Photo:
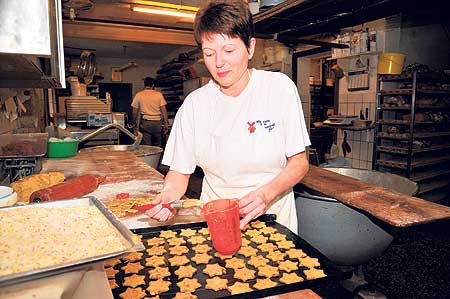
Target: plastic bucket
[
  {"x": 62, "y": 149},
  {"x": 390, "y": 63}
]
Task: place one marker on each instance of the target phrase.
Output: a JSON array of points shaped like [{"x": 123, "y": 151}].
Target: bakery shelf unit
[
  {"x": 412, "y": 130},
  {"x": 170, "y": 82}
]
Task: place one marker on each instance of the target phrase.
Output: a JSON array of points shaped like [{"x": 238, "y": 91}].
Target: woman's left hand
[{"x": 252, "y": 205}]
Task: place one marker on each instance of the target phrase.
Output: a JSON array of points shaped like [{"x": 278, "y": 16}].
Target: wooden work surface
[
  {"x": 116, "y": 166},
  {"x": 301, "y": 294},
  {"x": 391, "y": 207}
]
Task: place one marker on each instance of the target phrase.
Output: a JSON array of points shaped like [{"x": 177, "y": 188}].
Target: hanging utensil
[
  {"x": 345, "y": 146},
  {"x": 87, "y": 67}
]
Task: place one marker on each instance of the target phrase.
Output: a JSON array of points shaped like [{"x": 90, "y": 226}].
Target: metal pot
[{"x": 344, "y": 235}]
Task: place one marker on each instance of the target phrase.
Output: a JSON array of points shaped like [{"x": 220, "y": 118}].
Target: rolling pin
[{"x": 71, "y": 188}]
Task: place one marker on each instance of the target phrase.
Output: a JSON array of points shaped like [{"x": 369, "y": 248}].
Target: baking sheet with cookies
[{"x": 181, "y": 262}]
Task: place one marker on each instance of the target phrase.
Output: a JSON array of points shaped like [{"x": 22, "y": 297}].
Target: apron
[{"x": 236, "y": 161}]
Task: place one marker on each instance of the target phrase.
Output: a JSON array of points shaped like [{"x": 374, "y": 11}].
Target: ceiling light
[
  {"x": 166, "y": 5},
  {"x": 173, "y": 13}
]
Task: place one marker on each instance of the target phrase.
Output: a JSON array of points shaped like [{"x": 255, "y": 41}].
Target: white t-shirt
[
  {"x": 149, "y": 101},
  {"x": 240, "y": 142}
]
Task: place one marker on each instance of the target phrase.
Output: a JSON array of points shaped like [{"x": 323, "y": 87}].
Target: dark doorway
[{"x": 121, "y": 95}]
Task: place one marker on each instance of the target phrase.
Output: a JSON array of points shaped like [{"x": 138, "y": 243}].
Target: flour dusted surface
[{"x": 34, "y": 238}]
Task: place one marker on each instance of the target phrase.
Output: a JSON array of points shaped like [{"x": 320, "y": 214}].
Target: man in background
[{"x": 148, "y": 106}]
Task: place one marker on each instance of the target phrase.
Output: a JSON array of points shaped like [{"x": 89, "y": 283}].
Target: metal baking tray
[
  {"x": 23, "y": 145},
  {"x": 133, "y": 244},
  {"x": 202, "y": 292}
]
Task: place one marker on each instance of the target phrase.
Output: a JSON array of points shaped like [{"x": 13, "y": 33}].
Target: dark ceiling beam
[
  {"x": 294, "y": 40},
  {"x": 329, "y": 18},
  {"x": 284, "y": 8},
  {"x": 310, "y": 52}
]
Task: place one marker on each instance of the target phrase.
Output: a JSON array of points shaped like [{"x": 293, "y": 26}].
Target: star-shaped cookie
[
  {"x": 216, "y": 283},
  {"x": 132, "y": 257},
  {"x": 268, "y": 271},
  {"x": 132, "y": 268},
  {"x": 188, "y": 232},
  {"x": 166, "y": 234},
  {"x": 156, "y": 241},
  {"x": 159, "y": 286},
  {"x": 264, "y": 283},
  {"x": 134, "y": 280},
  {"x": 288, "y": 278},
  {"x": 202, "y": 248},
  {"x": 178, "y": 260},
  {"x": 285, "y": 244},
  {"x": 201, "y": 258},
  {"x": 295, "y": 253},
  {"x": 178, "y": 250},
  {"x": 314, "y": 273},
  {"x": 159, "y": 272},
  {"x": 244, "y": 274},
  {"x": 111, "y": 272},
  {"x": 156, "y": 250},
  {"x": 214, "y": 269},
  {"x": 257, "y": 261},
  {"x": 188, "y": 285},
  {"x": 185, "y": 271},
  {"x": 288, "y": 266},
  {"x": 131, "y": 293},
  {"x": 155, "y": 261},
  {"x": 176, "y": 241},
  {"x": 239, "y": 288},
  {"x": 276, "y": 256},
  {"x": 258, "y": 224},
  {"x": 248, "y": 251},
  {"x": 235, "y": 263}
]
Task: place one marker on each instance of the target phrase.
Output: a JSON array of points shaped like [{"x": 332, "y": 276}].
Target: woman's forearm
[
  {"x": 294, "y": 171},
  {"x": 176, "y": 184}
]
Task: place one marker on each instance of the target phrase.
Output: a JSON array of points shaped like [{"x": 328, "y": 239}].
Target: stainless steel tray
[{"x": 134, "y": 244}]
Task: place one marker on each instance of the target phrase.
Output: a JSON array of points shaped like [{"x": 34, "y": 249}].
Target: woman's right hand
[{"x": 158, "y": 212}]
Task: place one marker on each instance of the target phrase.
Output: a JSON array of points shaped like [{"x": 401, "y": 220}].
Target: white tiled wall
[{"x": 350, "y": 103}]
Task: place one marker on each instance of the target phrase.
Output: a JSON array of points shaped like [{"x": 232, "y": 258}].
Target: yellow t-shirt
[{"x": 149, "y": 101}]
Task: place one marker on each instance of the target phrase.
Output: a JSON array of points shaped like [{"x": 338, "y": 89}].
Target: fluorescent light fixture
[
  {"x": 166, "y": 5},
  {"x": 172, "y": 13}
]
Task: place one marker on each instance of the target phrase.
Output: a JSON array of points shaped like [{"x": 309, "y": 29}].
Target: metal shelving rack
[{"x": 409, "y": 139}]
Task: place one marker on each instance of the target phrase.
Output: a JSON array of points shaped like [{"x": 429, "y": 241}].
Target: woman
[{"x": 245, "y": 128}]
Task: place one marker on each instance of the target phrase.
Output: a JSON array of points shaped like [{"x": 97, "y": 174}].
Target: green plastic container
[{"x": 63, "y": 149}]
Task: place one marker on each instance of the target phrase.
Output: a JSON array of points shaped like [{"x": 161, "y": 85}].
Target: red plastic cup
[{"x": 222, "y": 217}]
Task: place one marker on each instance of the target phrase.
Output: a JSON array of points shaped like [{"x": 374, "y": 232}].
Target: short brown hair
[{"x": 232, "y": 18}]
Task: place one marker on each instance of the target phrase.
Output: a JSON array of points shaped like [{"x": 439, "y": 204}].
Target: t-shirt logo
[
  {"x": 251, "y": 127},
  {"x": 266, "y": 124}
]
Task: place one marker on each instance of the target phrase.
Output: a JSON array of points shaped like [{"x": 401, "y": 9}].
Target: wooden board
[
  {"x": 117, "y": 166},
  {"x": 389, "y": 206},
  {"x": 301, "y": 294}
]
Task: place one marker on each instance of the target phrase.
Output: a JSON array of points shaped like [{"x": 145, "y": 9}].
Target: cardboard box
[
  {"x": 118, "y": 118},
  {"x": 99, "y": 119}
]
